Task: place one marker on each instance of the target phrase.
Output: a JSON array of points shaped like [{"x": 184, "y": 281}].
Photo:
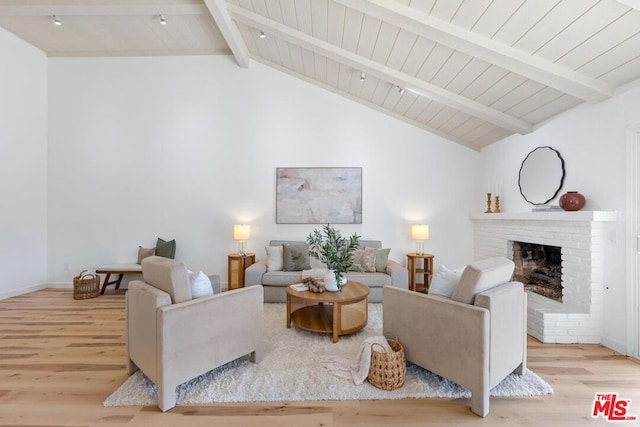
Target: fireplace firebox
[{"x": 539, "y": 267}]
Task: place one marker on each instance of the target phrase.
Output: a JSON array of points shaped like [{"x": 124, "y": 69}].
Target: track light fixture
[
  {"x": 56, "y": 20},
  {"x": 400, "y": 89},
  {"x": 263, "y": 35},
  {"x": 162, "y": 20},
  {"x": 362, "y": 76}
]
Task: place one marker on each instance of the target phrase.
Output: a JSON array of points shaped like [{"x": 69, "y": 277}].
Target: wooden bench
[{"x": 120, "y": 270}]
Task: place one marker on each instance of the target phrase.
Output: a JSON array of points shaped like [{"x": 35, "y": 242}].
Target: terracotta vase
[{"x": 572, "y": 201}]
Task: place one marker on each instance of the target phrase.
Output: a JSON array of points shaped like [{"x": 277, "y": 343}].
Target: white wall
[
  {"x": 185, "y": 147},
  {"x": 23, "y": 166},
  {"x": 592, "y": 140}
]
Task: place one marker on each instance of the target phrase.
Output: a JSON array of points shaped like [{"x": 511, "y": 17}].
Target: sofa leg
[
  {"x": 166, "y": 397},
  {"x": 131, "y": 367},
  {"x": 256, "y": 355},
  {"x": 480, "y": 402}
]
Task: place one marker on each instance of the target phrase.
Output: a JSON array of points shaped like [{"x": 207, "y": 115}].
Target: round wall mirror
[{"x": 541, "y": 175}]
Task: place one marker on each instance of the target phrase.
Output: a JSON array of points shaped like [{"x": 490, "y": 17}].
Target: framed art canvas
[{"x": 319, "y": 195}]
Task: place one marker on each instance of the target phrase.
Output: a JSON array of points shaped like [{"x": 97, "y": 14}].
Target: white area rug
[{"x": 290, "y": 371}]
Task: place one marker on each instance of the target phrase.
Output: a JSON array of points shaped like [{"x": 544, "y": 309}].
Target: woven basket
[
  {"x": 388, "y": 370},
  {"x": 86, "y": 285}
]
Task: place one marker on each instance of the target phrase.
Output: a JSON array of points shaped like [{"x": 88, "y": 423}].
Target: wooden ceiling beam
[
  {"x": 514, "y": 60},
  {"x": 633, "y": 4},
  {"x": 383, "y": 72},
  {"x": 229, "y": 30}
]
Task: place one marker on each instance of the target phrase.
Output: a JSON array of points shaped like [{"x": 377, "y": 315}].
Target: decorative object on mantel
[
  {"x": 488, "y": 204},
  {"x": 334, "y": 250},
  {"x": 497, "y": 208},
  {"x": 546, "y": 208},
  {"x": 572, "y": 201},
  {"x": 541, "y": 175}
]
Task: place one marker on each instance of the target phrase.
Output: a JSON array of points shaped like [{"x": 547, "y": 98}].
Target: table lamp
[
  {"x": 241, "y": 233},
  {"x": 420, "y": 233}
]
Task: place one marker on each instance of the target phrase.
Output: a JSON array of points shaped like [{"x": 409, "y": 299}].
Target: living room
[{"x": 102, "y": 155}]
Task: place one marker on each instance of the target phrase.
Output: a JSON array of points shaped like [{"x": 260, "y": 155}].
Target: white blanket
[{"x": 358, "y": 368}]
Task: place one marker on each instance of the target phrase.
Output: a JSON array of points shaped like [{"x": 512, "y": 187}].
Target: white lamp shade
[
  {"x": 241, "y": 232},
  {"x": 420, "y": 232}
]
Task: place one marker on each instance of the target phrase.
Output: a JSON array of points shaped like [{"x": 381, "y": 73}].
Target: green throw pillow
[
  {"x": 166, "y": 249},
  {"x": 295, "y": 257},
  {"x": 382, "y": 257}
]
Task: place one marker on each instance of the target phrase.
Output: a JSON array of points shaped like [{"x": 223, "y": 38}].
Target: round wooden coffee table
[{"x": 339, "y": 313}]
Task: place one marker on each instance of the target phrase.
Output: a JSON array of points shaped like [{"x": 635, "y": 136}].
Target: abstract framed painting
[{"x": 319, "y": 195}]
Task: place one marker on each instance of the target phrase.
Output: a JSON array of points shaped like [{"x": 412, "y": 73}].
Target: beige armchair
[
  {"x": 173, "y": 338},
  {"x": 475, "y": 339}
]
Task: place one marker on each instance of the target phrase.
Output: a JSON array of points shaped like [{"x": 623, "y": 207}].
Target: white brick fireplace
[{"x": 578, "y": 319}]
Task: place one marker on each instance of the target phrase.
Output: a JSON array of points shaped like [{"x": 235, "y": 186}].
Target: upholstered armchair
[
  {"x": 173, "y": 338},
  {"x": 476, "y": 338}
]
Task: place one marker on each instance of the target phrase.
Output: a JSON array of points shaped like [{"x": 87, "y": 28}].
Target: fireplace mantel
[{"x": 584, "y": 216}]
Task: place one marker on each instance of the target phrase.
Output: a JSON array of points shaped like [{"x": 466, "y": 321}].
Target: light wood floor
[{"x": 60, "y": 358}]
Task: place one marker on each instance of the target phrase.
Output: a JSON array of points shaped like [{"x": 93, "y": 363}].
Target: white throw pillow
[
  {"x": 274, "y": 258},
  {"x": 200, "y": 285},
  {"x": 444, "y": 281}
]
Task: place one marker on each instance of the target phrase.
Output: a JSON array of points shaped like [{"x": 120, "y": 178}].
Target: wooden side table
[
  {"x": 236, "y": 265},
  {"x": 425, "y": 270}
]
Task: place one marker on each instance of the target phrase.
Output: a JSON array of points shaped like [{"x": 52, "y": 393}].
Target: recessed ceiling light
[
  {"x": 56, "y": 20},
  {"x": 162, "y": 20},
  {"x": 263, "y": 35},
  {"x": 362, "y": 76}
]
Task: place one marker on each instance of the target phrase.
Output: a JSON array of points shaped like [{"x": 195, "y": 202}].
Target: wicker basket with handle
[
  {"x": 86, "y": 285},
  {"x": 388, "y": 370}
]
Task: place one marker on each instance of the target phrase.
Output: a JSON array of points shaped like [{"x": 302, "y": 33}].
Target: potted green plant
[{"x": 336, "y": 251}]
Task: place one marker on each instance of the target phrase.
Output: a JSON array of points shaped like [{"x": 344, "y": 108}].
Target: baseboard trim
[{"x": 26, "y": 290}]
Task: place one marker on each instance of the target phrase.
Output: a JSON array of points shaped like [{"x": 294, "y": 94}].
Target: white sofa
[
  {"x": 475, "y": 339},
  {"x": 275, "y": 282}
]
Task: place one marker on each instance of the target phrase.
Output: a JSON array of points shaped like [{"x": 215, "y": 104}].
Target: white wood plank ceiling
[{"x": 472, "y": 71}]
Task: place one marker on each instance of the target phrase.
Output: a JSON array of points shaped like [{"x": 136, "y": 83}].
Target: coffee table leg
[
  {"x": 288, "y": 311},
  {"x": 337, "y": 309}
]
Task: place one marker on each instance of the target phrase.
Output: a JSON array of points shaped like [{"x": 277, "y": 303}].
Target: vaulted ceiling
[{"x": 472, "y": 71}]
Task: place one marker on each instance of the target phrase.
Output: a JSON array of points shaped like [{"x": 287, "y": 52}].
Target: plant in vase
[{"x": 334, "y": 250}]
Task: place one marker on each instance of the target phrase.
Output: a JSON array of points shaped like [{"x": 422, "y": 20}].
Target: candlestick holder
[
  {"x": 488, "y": 204},
  {"x": 497, "y": 208}
]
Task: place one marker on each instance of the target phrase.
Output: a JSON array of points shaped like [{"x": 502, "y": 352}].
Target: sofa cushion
[
  {"x": 295, "y": 257},
  {"x": 167, "y": 275},
  {"x": 480, "y": 276},
  {"x": 373, "y": 280},
  {"x": 200, "y": 285},
  {"x": 274, "y": 258},
  {"x": 382, "y": 258},
  {"x": 144, "y": 253},
  {"x": 281, "y": 278},
  {"x": 444, "y": 282},
  {"x": 166, "y": 249},
  {"x": 364, "y": 260}
]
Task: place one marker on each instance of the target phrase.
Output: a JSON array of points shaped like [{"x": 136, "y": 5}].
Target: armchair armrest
[
  {"x": 198, "y": 335},
  {"x": 508, "y": 306},
  {"x": 399, "y": 275},
  {"x": 253, "y": 274},
  {"x": 142, "y": 302}
]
